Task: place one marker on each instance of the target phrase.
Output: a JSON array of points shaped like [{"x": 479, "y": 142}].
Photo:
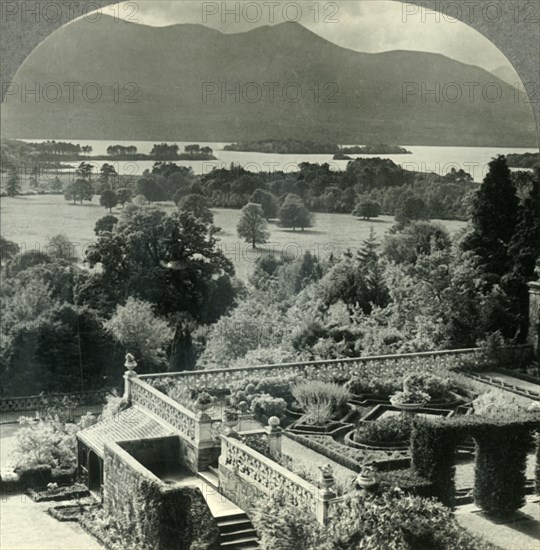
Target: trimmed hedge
[
  {"x": 433, "y": 447},
  {"x": 501, "y": 458}
]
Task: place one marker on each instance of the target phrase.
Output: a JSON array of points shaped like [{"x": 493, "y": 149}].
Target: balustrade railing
[{"x": 220, "y": 378}]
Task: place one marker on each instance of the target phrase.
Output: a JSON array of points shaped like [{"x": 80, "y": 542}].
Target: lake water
[{"x": 440, "y": 160}]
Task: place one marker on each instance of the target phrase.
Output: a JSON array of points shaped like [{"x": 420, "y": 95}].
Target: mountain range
[{"x": 283, "y": 82}]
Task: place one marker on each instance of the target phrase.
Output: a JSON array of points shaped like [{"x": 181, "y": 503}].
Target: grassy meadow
[{"x": 32, "y": 220}]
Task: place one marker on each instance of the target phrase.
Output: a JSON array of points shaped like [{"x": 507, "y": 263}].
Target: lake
[{"x": 440, "y": 160}]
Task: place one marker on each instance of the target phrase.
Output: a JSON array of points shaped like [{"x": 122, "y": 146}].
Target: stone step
[
  {"x": 238, "y": 535},
  {"x": 234, "y": 525},
  {"x": 247, "y": 542}
]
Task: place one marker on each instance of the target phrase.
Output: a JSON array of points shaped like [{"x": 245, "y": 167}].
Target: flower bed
[{"x": 55, "y": 493}]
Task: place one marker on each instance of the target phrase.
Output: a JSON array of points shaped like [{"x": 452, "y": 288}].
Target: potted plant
[
  {"x": 409, "y": 400},
  {"x": 204, "y": 401}
]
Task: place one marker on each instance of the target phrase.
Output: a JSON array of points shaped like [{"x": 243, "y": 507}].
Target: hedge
[
  {"x": 501, "y": 458},
  {"x": 433, "y": 448}
]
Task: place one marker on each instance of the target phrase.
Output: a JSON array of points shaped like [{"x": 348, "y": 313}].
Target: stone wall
[
  {"x": 534, "y": 316},
  {"x": 149, "y": 513}
]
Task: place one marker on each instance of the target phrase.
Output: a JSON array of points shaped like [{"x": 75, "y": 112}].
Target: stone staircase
[
  {"x": 235, "y": 527},
  {"x": 236, "y": 531}
]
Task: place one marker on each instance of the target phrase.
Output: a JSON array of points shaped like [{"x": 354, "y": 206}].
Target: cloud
[{"x": 363, "y": 25}]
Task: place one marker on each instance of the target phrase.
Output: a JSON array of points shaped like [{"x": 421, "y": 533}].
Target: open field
[{"x": 32, "y": 220}]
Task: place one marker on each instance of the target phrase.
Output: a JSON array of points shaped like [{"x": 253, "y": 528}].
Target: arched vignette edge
[{"x": 516, "y": 33}]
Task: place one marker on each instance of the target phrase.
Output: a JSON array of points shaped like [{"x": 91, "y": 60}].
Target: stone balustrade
[
  {"x": 221, "y": 378},
  {"x": 246, "y": 475}
]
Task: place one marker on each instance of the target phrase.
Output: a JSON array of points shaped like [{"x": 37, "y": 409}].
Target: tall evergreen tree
[
  {"x": 494, "y": 218},
  {"x": 524, "y": 251},
  {"x": 13, "y": 185}
]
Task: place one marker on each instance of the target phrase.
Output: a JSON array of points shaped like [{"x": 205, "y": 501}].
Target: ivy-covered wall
[{"x": 148, "y": 512}]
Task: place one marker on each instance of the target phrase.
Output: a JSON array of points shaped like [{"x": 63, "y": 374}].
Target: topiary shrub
[
  {"x": 394, "y": 429},
  {"x": 501, "y": 460},
  {"x": 433, "y": 449}
]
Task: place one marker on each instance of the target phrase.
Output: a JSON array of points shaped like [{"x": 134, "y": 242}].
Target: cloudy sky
[{"x": 362, "y": 25}]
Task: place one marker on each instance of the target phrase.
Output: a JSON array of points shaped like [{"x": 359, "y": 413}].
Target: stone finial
[
  {"x": 327, "y": 481},
  {"x": 130, "y": 363},
  {"x": 273, "y": 423}
]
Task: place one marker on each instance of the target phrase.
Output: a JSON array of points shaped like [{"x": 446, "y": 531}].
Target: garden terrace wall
[
  {"x": 246, "y": 476},
  {"x": 149, "y": 513},
  {"x": 197, "y": 446},
  {"x": 470, "y": 358},
  {"x": 36, "y": 402}
]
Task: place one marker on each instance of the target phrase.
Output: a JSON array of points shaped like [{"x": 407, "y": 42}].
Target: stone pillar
[
  {"x": 130, "y": 373},
  {"x": 274, "y": 433},
  {"x": 326, "y": 494},
  {"x": 534, "y": 316}
]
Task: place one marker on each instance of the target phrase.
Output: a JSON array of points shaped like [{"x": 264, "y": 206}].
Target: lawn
[{"x": 32, "y": 220}]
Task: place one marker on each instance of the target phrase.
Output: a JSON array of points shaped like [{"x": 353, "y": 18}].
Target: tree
[
  {"x": 59, "y": 246},
  {"x": 56, "y": 185},
  {"x": 13, "y": 185},
  {"x": 151, "y": 189},
  {"x": 124, "y": 195},
  {"x": 136, "y": 327},
  {"x": 166, "y": 259},
  {"x": 198, "y": 205},
  {"x": 79, "y": 190},
  {"x": 182, "y": 350},
  {"x": 8, "y": 249},
  {"x": 367, "y": 208},
  {"x": 85, "y": 171},
  {"x": 410, "y": 207},
  {"x": 524, "y": 251},
  {"x": 106, "y": 174},
  {"x": 268, "y": 202},
  {"x": 294, "y": 214},
  {"x": 108, "y": 199},
  {"x": 252, "y": 225},
  {"x": 106, "y": 223},
  {"x": 494, "y": 218}
]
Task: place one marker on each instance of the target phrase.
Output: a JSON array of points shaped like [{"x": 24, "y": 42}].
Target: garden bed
[
  {"x": 71, "y": 492},
  {"x": 375, "y": 446},
  {"x": 71, "y": 512}
]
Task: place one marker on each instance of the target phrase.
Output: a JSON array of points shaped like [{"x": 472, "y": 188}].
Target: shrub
[
  {"x": 497, "y": 404},
  {"x": 433, "y": 448},
  {"x": 390, "y": 520},
  {"x": 386, "y": 430},
  {"x": 501, "y": 460},
  {"x": 277, "y": 386},
  {"x": 34, "y": 476},
  {"x": 320, "y": 400},
  {"x": 47, "y": 442},
  {"x": 267, "y": 405}
]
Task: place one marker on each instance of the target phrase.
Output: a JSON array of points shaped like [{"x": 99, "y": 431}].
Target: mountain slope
[{"x": 284, "y": 81}]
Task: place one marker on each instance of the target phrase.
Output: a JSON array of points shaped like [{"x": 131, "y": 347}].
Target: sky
[{"x": 362, "y": 25}]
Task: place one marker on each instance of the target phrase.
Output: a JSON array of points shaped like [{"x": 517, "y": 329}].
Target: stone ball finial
[{"x": 274, "y": 422}]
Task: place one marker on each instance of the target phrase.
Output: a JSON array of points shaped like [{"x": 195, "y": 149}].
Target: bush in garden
[
  {"x": 385, "y": 430},
  {"x": 433, "y": 449},
  {"x": 267, "y": 405},
  {"x": 320, "y": 400},
  {"x": 497, "y": 404},
  {"x": 47, "y": 442},
  {"x": 277, "y": 386},
  {"x": 501, "y": 460},
  {"x": 371, "y": 523}
]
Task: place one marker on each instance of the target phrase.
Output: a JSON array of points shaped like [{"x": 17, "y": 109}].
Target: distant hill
[
  {"x": 346, "y": 97},
  {"x": 507, "y": 73}
]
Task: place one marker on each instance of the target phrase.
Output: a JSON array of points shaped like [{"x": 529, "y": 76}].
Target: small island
[
  {"x": 57, "y": 151},
  {"x": 307, "y": 147},
  {"x": 523, "y": 160}
]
